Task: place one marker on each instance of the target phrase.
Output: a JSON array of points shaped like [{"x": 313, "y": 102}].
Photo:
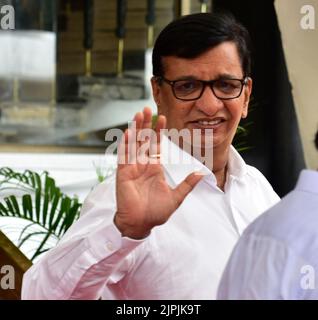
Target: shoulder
[
  {"x": 293, "y": 221},
  {"x": 248, "y": 175},
  {"x": 254, "y": 173},
  {"x": 259, "y": 185},
  {"x": 267, "y": 267},
  {"x": 256, "y": 177}
]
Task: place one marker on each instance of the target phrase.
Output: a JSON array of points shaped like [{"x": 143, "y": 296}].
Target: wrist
[{"x": 130, "y": 231}]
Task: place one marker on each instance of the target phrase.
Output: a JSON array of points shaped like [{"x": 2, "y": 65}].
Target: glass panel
[{"x": 59, "y": 80}]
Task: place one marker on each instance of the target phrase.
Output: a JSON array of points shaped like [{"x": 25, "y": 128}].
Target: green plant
[
  {"x": 103, "y": 173},
  {"x": 243, "y": 130},
  {"x": 239, "y": 141},
  {"x": 36, "y": 198}
]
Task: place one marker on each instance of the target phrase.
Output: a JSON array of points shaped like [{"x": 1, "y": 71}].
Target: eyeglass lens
[{"x": 222, "y": 88}]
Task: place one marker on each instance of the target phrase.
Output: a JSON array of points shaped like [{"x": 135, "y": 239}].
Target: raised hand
[{"x": 144, "y": 199}]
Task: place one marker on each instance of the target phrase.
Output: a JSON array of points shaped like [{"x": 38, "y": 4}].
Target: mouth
[{"x": 208, "y": 123}]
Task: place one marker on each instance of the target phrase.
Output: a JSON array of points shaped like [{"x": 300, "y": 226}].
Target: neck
[
  {"x": 220, "y": 160},
  {"x": 219, "y": 164}
]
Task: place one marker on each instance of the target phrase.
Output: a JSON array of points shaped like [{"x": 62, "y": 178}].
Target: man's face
[{"x": 222, "y": 60}]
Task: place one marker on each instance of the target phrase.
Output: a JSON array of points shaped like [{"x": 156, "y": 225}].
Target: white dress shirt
[
  {"x": 182, "y": 259},
  {"x": 276, "y": 258}
]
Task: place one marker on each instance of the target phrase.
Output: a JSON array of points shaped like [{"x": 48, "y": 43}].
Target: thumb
[{"x": 186, "y": 186}]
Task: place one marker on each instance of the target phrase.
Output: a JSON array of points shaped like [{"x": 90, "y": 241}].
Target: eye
[
  {"x": 227, "y": 85},
  {"x": 186, "y": 86}
]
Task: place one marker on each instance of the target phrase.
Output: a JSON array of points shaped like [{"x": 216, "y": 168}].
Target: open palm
[{"x": 144, "y": 199}]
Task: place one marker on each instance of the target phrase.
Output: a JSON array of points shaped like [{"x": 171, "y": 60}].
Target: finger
[
  {"x": 126, "y": 152},
  {"x": 139, "y": 119},
  {"x": 161, "y": 125},
  {"x": 122, "y": 149},
  {"x": 144, "y": 128},
  {"x": 155, "y": 147},
  {"x": 144, "y": 136},
  {"x": 186, "y": 186},
  {"x": 143, "y": 154},
  {"x": 147, "y": 124},
  {"x": 134, "y": 126},
  {"x": 131, "y": 146}
]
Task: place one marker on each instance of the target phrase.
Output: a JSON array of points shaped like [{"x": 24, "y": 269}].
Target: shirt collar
[
  {"x": 308, "y": 181},
  {"x": 236, "y": 165},
  {"x": 179, "y": 163}
]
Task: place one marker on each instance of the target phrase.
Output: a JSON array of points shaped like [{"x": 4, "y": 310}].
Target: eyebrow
[
  {"x": 220, "y": 76},
  {"x": 228, "y": 76}
]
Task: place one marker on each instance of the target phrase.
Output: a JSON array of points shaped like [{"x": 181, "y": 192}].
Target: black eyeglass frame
[{"x": 205, "y": 83}]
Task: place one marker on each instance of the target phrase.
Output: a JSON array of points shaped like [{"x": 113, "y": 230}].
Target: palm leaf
[
  {"x": 42, "y": 204},
  {"x": 243, "y": 130},
  {"x": 39, "y": 249},
  {"x": 28, "y": 236},
  {"x": 25, "y": 229}
]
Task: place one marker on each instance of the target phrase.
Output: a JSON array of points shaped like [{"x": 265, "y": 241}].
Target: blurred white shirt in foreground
[{"x": 276, "y": 258}]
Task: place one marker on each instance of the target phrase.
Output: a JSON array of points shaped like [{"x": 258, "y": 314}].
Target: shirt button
[{"x": 110, "y": 246}]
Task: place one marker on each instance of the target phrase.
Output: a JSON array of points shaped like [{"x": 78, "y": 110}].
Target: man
[
  {"x": 158, "y": 230},
  {"x": 276, "y": 258}
]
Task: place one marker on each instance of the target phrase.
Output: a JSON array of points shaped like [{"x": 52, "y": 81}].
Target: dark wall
[{"x": 274, "y": 134}]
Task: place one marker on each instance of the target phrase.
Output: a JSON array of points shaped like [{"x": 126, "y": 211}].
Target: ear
[
  {"x": 156, "y": 92},
  {"x": 247, "y": 90}
]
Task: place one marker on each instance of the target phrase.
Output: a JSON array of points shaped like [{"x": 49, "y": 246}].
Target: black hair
[
  {"x": 192, "y": 35},
  {"x": 316, "y": 140}
]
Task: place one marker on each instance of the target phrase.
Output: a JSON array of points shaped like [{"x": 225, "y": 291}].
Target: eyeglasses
[{"x": 192, "y": 89}]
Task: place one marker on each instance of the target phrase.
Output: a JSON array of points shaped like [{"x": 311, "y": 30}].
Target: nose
[{"x": 208, "y": 103}]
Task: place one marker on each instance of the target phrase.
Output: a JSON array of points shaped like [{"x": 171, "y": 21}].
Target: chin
[{"x": 217, "y": 143}]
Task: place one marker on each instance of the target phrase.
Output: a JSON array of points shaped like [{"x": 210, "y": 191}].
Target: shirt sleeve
[
  {"x": 88, "y": 255},
  {"x": 264, "y": 268}
]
